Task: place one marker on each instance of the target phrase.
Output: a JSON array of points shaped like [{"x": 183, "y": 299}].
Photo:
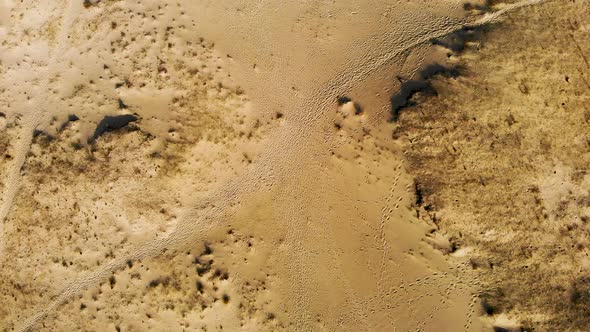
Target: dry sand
[{"x": 209, "y": 165}]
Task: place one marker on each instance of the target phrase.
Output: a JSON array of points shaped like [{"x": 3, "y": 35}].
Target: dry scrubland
[
  {"x": 146, "y": 188},
  {"x": 501, "y": 161}
]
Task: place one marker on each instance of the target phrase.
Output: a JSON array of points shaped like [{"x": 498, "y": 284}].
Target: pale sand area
[{"x": 237, "y": 194}]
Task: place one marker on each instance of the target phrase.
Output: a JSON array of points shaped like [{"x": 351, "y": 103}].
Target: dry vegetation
[{"x": 501, "y": 161}]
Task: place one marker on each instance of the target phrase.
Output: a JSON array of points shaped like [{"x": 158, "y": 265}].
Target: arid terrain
[
  {"x": 294, "y": 166},
  {"x": 500, "y": 159}
]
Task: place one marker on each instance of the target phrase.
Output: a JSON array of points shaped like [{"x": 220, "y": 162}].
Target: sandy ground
[{"x": 221, "y": 166}]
